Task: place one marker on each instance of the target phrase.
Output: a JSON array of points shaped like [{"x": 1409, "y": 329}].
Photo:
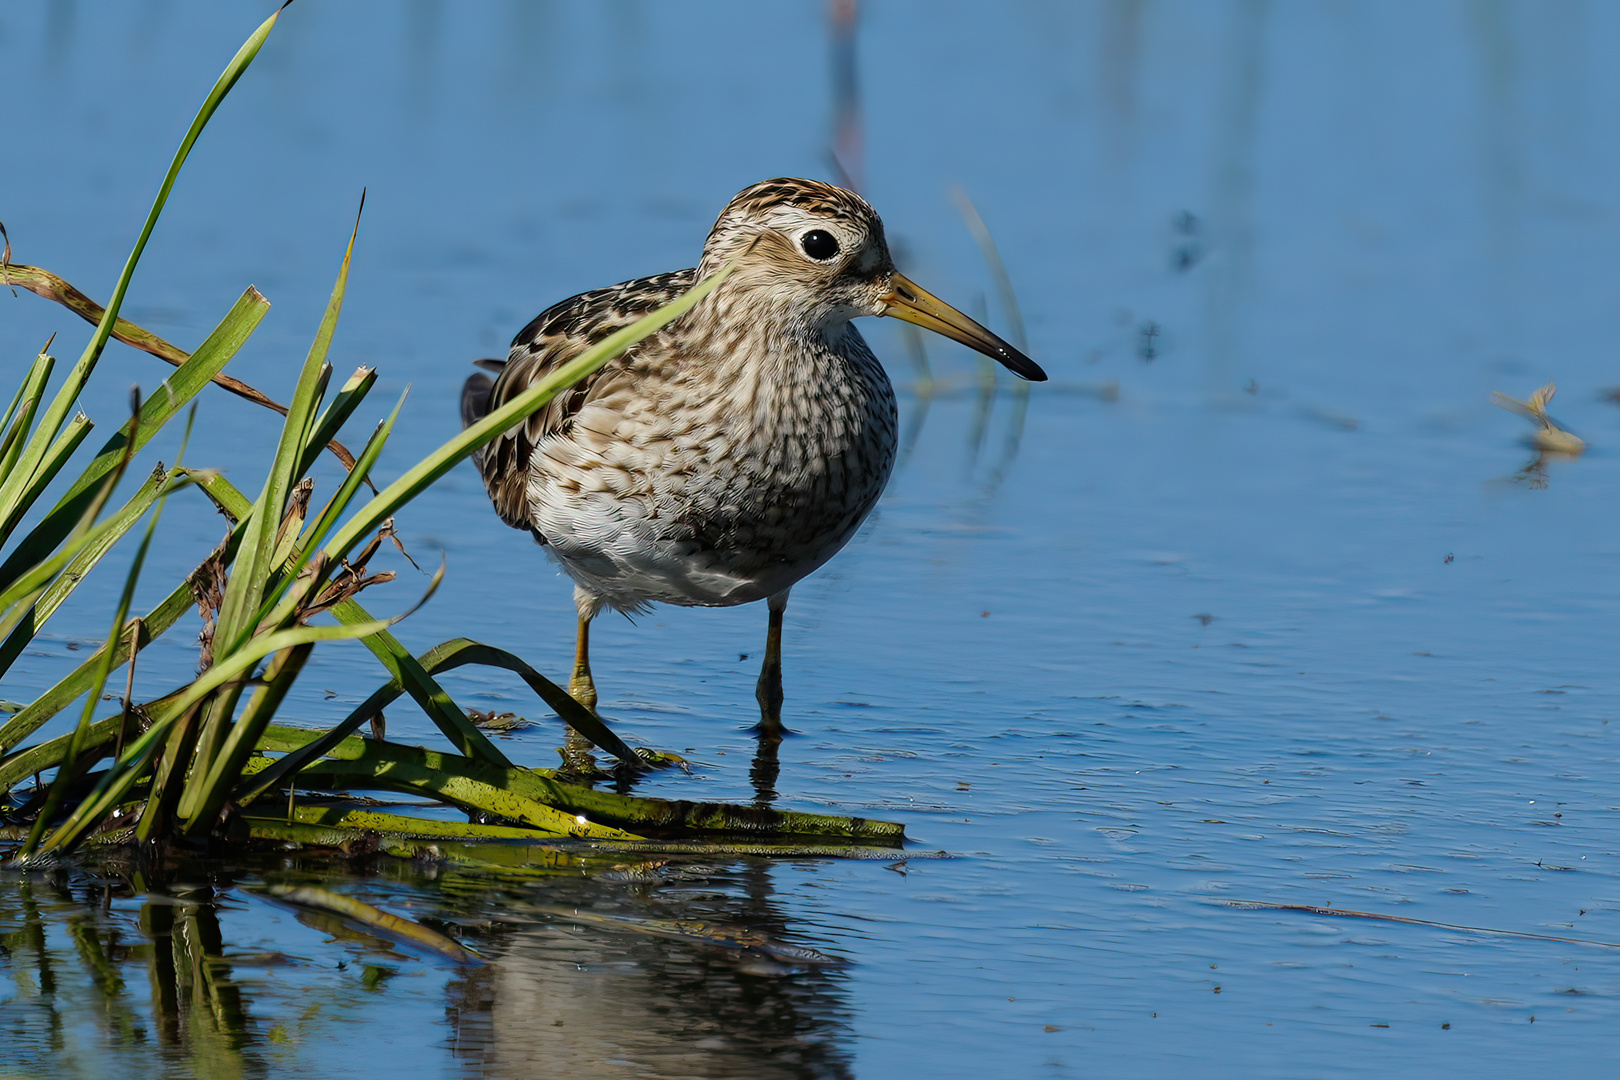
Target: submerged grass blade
[
  {"x": 370, "y": 764},
  {"x": 362, "y": 820},
  {"x": 641, "y": 815},
  {"x": 374, "y": 920}
]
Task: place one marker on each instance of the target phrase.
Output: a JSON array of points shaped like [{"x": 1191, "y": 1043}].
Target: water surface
[{"x": 1265, "y": 601}]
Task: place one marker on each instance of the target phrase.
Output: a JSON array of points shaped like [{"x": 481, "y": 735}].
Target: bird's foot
[
  {"x": 769, "y": 695},
  {"x": 582, "y": 688},
  {"x": 770, "y": 728}
]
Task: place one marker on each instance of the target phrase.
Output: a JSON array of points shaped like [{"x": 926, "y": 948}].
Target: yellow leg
[
  {"x": 580, "y": 685},
  {"x": 768, "y": 691}
]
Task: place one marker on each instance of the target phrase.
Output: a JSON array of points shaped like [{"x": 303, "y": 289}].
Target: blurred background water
[{"x": 1262, "y": 599}]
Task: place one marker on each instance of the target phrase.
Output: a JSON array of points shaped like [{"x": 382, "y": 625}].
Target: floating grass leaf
[{"x": 350, "y": 764}]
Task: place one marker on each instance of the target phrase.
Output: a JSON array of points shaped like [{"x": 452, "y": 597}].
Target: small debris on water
[
  {"x": 1147, "y": 336},
  {"x": 494, "y": 721},
  {"x": 1550, "y": 436}
]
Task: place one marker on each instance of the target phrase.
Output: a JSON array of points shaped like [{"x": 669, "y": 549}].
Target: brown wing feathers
[{"x": 554, "y": 337}]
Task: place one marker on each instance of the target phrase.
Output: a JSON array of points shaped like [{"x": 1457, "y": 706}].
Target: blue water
[{"x": 1265, "y": 602}]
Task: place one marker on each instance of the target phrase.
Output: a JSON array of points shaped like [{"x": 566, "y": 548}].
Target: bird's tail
[{"x": 475, "y": 392}]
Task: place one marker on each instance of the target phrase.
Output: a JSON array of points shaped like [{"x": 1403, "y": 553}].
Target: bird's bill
[{"x": 905, "y": 300}]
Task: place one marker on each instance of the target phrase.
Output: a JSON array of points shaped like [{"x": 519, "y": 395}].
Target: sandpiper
[{"x": 736, "y": 450}]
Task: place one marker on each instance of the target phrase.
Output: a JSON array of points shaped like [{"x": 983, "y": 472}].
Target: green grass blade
[
  {"x": 109, "y": 791},
  {"x": 441, "y": 658},
  {"x": 429, "y": 695},
  {"x": 81, "y": 564},
  {"x": 21, "y": 420},
  {"x": 631, "y": 812},
  {"x": 232, "y": 668},
  {"x": 381, "y": 766},
  {"x": 12, "y": 444},
  {"x": 72, "y": 762},
  {"x": 201, "y": 810},
  {"x": 359, "y": 821},
  {"x": 172, "y": 395},
  {"x": 55, "y": 457},
  {"x": 339, "y": 502},
  {"x": 225, "y": 495},
  {"x": 461, "y": 651},
  {"x": 35, "y": 377},
  {"x": 16, "y": 600},
  {"x": 155, "y": 623},
  {"x": 337, "y": 413},
  {"x": 251, "y": 575},
  {"x": 308, "y": 543},
  {"x": 15, "y": 768}
]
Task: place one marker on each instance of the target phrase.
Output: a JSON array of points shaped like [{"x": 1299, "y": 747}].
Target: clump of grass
[{"x": 207, "y": 761}]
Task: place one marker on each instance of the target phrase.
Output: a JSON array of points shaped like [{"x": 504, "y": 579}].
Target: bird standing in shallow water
[{"x": 738, "y": 448}]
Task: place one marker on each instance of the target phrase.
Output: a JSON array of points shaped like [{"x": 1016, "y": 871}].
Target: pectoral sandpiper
[{"x": 737, "y": 449}]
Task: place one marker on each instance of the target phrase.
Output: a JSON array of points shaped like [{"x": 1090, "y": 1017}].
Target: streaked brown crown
[{"x": 765, "y": 207}]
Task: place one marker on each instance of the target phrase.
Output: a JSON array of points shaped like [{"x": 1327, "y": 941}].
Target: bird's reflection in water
[
  {"x": 1535, "y": 473},
  {"x": 653, "y": 985}
]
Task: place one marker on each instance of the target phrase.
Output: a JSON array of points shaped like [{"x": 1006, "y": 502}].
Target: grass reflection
[
  {"x": 77, "y": 1006},
  {"x": 681, "y": 966}
]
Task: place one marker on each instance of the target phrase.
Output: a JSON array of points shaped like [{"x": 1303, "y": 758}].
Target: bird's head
[{"x": 818, "y": 252}]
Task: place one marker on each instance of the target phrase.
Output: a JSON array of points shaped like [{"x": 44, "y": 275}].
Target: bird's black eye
[{"x": 819, "y": 244}]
